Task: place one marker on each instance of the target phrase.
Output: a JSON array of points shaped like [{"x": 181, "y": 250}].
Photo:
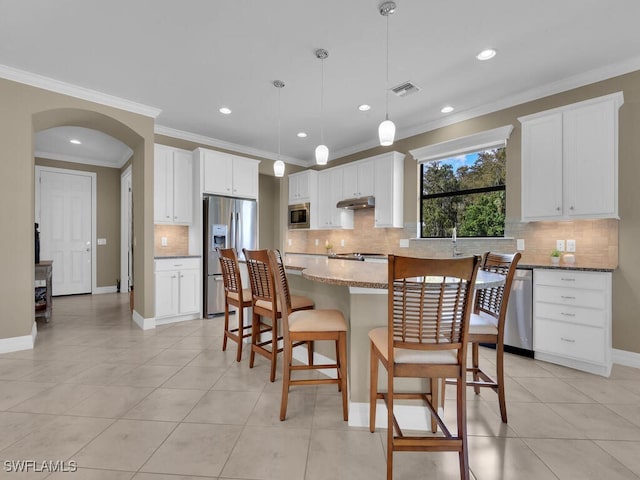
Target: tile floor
[{"x": 168, "y": 404}]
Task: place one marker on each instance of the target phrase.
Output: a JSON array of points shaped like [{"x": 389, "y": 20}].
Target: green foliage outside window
[{"x": 466, "y": 192}]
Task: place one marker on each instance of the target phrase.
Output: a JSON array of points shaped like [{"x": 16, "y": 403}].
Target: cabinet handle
[
  {"x": 177, "y": 264},
  {"x": 571, "y": 207},
  {"x": 567, "y": 297},
  {"x": 568, "y": 340},
  {"x": 567, "y": 314},
  {"x": 558, "y": 209},
  {"x": 567, "y": 279},
  {"x": 173, "y": 276}
]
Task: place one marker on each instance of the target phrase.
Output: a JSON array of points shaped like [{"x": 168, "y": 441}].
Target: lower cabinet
[
  {"x": 177, "y": 289},
  {"x": 572, "y": 319}
]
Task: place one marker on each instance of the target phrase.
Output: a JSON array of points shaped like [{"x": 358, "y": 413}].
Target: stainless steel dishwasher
[{"x": 518, "y": 328}]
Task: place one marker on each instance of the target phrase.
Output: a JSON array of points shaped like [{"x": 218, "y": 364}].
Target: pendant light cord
[
  {"x": 322, "y": 102},
  {"x": 279, "y": 123},
  {"x": 387, "y": 85}
]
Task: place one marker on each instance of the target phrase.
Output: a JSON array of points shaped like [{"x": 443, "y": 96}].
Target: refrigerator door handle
[
  {"x": 238, "y": 230},
  {"x": 232, "y": 231}
]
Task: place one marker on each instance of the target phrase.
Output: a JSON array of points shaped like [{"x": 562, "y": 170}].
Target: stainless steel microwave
[{"x": 299, "y": 216}]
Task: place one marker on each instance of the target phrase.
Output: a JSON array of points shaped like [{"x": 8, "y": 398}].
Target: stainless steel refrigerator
[{"x": 228, "y": 223}]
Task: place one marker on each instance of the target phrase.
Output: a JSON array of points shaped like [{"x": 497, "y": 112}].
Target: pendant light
[
  {"x": 278, "y": 166},
  {"x": 387, "y": 129},
  {"x": 322, "y": 151}
]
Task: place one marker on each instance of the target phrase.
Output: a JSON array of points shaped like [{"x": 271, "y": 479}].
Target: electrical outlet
[
  {"x": 571, "y": 245},
  {"x": 317, "y": 242},
  {"x": 520, "y": 244},
  {"x": 404, "y": 243},
  {"x": 560, "y": 245},
  {"x": 342, "y": 243},
  {"x": 289, "y": 242},
  {"x": 163, "y": 241}
]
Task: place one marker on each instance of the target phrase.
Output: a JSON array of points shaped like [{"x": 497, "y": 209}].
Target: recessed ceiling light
[
  {"x": 486, "y": 54},
  {"x": 75, "y": 141},
  {"x": 447, "y": 109},
  {"x": 225, "y": 110},
  {"x": 364, "y": 107},
  {"x": 302, "y": 134}
]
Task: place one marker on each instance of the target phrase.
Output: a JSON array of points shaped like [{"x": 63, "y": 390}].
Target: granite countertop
[
  {"x": 165, "y": 257},
  {"x": 359, "y": 274},
  {"x": 585, "y": 267}
]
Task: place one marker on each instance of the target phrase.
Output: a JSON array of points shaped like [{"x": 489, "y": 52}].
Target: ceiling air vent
[{"x": 404, "y": 89}]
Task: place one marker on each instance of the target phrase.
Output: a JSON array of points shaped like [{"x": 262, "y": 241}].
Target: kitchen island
[{"x": 359, "y": 290}]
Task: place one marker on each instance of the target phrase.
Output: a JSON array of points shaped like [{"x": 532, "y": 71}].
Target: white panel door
[{"x": 65, "y": 230}]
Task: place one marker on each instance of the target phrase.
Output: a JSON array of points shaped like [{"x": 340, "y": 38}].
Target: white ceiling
[{"x": 191, "y": 57}]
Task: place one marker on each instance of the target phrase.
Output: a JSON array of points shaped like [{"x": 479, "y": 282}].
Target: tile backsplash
[
  {"x": 596, "y": 240},
  {"x": 177, "y": 240}
]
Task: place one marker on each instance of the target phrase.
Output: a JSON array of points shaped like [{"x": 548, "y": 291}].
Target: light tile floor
[{"x": 168, "y": 404}]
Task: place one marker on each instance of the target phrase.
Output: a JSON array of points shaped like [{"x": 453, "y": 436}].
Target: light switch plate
[
  {"x": 520, "y": 244},
  {"x": 102, "y": 241},
  {"x": 560, "y": 245},
  {"x": 404, "y": 243},
  {"x": 571, "y": 245},
  {"x": 289, "y": 242},
  {"x": 342, "y": 243},
  {"x": 317, "y": 242}
]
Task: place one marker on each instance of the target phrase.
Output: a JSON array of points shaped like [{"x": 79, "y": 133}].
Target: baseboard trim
[
  {"x": 109, "y": 289},
  {"x": 15, "y": 344},
  {"x": 628, "y": 359},
  {"x": 181, "y": 318},
  {"x": 143, "y": 323}
]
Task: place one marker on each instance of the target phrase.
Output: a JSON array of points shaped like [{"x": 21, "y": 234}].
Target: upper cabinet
[
  {"x": 330, "y": 184},
  {"x": 570, "y": 161},
  {"x": 303, "y": 187},
  {"x": 358, "y": 179},
  {"x": 228, "y": 175},
  {"x": 388, "y": 190},
  {"x": 173, "y": 186}
]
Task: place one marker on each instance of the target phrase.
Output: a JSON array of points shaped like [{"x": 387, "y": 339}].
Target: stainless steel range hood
[{"x": 357, "y": 203}]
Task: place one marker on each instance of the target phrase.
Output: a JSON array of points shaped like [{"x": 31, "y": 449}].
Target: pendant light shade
[
  {"x": 386, "y": 132},
  {"x": 322, "y": 151},
  {"x": 278, "y": 165},
  {"x": 322, "y": 154},
  {"x": 387, "y": 129},
  {"x": 278, "y": 168}
]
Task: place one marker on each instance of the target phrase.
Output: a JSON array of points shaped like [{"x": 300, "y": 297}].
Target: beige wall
[
  {"x": 607, "y": 242},
  {"x": 23, "y": 111},
  {"x": 269, "y": 232},
  {"x": 108, "y": 217}
]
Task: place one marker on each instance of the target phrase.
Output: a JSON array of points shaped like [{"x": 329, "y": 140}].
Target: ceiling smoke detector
[{"x": 404, "y": 89}]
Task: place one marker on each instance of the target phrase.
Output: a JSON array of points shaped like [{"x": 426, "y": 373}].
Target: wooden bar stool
[
  {"x": 430, "y": 302},
  {"x": 304, "y": 326},
  {"x": 236, "y": 296},
  {"x": 261, "y": 278},
  {"x": 487, "y": 325}
]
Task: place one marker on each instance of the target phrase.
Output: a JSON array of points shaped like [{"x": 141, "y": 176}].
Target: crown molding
[
  {"x": 586, "y": 78},
  {"x": 234, "y": 147},
  {"x": 84, "y": 160},
  {"x": 71, "y": 90}
]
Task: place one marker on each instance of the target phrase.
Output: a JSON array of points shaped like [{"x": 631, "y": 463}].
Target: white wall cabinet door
[
  {"x": 189, "y": 291},
  {"x": 303, "y": 187},
  {"x": 217, "y": 172},
  {"x": 358, "y": 180},
  {"x": 542, "y": 168},
  {"x": 183, "y": 197},
  {"x": 589, "y": 151},
  {"x": 163, "y": 184},
  {"x": 330, "y": 193},
  {"x": 167, "y": 294},
  {"x": 245, "y": 177},
  {"x": 388, "y": 190}
]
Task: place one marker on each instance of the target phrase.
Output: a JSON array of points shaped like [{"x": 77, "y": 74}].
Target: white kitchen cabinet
[
  {"x": 357, "y": 179},
  {"x": 389, "y": 190},
  {"x": 178, "y": 288},
  {"x": 570, "y": 161},
  {"x": 303, "y": 187},
  {"x": 173, "y": 186},
  {"x": 572, "y": 319},
  {"x": 330, "y": 188},
  {"x": 228, "y": 175}
]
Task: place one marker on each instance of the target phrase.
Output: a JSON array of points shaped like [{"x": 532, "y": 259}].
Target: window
[{"x": 465, "y": 191}]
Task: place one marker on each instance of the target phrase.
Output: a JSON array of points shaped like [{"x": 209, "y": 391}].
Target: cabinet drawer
[
  {"x": 570, "y": 296},
  {"x": 165, "y": 265},
  {"x": 573, "y": 279},
  {"x": 575, "y": 341},
  {"x": 583, "y": 316}
]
